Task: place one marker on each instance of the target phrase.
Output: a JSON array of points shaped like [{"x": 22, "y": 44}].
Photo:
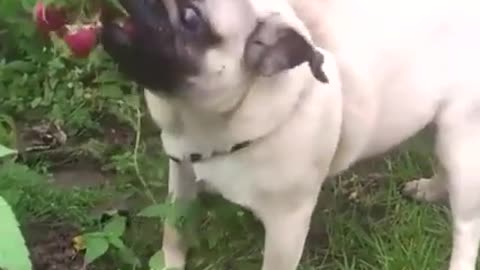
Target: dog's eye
[{"x": 191, "y": 18}]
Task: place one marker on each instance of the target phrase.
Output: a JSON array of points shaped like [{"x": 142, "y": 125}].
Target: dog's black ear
[{"x": 273, "y": 47}]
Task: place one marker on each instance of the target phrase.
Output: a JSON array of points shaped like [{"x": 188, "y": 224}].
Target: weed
[
  {"x": 362, "y": 222},
  {"x": 14, "y": 253}
]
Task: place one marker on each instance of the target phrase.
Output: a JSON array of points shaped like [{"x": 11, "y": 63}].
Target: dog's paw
[{"x": 424, "y": 190}]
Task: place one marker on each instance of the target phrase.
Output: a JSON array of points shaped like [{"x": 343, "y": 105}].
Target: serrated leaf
[
  {"x": 157, "y": 261},
  {"x": 96, "y": 247},
  {"x": 5, "y": 151},
  {"x": 156, "y": 210},
  {"x": 13, "y": 251},
  {"x": 116, "y": 226}
]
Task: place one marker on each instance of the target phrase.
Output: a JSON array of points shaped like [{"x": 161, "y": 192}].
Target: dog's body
[
  {"x": 267, "y": 141},
  {"x": 400, "y": 61}
]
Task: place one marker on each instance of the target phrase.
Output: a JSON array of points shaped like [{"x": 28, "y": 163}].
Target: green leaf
[
  {"x": 117, "y": 5},
  {"x": 96, "y": 247},
  {"x": 128, "y": 256},
  {"x": 111, "y": 91},
  {"x": 21, "y": 66},
  {"x": 184, "y": 215},
  {"x": 13, "y": 251},
  {"x": 12, "y": 196},
  {"x": 28, "y": 4},
  {"x": 35, "y": 102},
  {"x": 4, "y": 151},
  {"x": 94, "y": 235},
  {"x": 108, "y": 77},
  {"x": 116, "y": 226},
  {"x": 157, "y": 261},
  {"x": 116, "y": 242},
  {"x": 156, "y": 210}
]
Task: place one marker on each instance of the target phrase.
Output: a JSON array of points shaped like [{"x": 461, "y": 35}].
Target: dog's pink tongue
[{"x": 128, "y": 27}]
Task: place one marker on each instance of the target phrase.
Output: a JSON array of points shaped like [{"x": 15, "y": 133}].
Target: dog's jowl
[{"x": 306, "y": 88}]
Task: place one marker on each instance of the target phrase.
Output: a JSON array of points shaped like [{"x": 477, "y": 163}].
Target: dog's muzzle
[{"x": 147, "y": 53}]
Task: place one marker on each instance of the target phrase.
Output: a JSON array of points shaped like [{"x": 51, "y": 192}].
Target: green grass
[
  {"x": 30, "y": 195},
  {"x": 378, "y": 230},
  {"x": 384, "y": 232},
  {"x": 362, "y": 220}
]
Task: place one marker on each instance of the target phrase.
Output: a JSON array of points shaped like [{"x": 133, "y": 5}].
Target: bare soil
[
  {"x": 51, "y": 246},
  {"x": 51, "y": 242}
]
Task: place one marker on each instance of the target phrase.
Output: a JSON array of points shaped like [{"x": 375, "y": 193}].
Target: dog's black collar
[{"x": 197, "y": 157}]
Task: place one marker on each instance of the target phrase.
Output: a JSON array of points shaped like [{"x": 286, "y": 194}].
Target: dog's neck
[{"x": 268, "y": 105}]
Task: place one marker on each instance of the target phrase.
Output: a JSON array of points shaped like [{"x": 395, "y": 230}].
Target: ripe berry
[
  {"x": 81, "y": 40},
  {"x": 128, "y": 27},
  {"x": 49, "y": 18}
]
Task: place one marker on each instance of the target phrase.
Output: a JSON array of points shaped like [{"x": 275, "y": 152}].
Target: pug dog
[{"x": 262, "y": 100}]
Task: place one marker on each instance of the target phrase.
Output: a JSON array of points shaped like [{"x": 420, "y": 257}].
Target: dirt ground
[
  {"x": 51, "y": 242},
  {"x": 51, "y": 246}
]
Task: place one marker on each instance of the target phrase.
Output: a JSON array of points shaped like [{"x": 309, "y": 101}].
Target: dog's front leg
[
  {"x": 458, "y": 146},
  {"x": 182, "y": 187},
  {"x": 286, "y": 223}
]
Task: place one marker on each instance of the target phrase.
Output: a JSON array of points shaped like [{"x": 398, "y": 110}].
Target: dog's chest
[
  {"x": 248, "y": 176},
  {"x": 235, "y": 181},
  {"x": 288, "y": 162},
  {"x": 287, "y": 165}
]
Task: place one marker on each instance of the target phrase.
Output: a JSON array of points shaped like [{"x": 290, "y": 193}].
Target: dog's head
[{"x": 206, "y": 48}]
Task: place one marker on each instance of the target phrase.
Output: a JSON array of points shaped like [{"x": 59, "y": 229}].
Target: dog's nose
[
  {"x": 146, "y": 14},
  {"x": 148, "y": 55},
  {"x": 149, "y": 21},
  {"x": 116, "y": 41}
]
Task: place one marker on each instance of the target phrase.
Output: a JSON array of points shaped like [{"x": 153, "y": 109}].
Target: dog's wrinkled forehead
[
  {"x": 230, "y": 17},
  {"x": 241, "y": 16}
]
